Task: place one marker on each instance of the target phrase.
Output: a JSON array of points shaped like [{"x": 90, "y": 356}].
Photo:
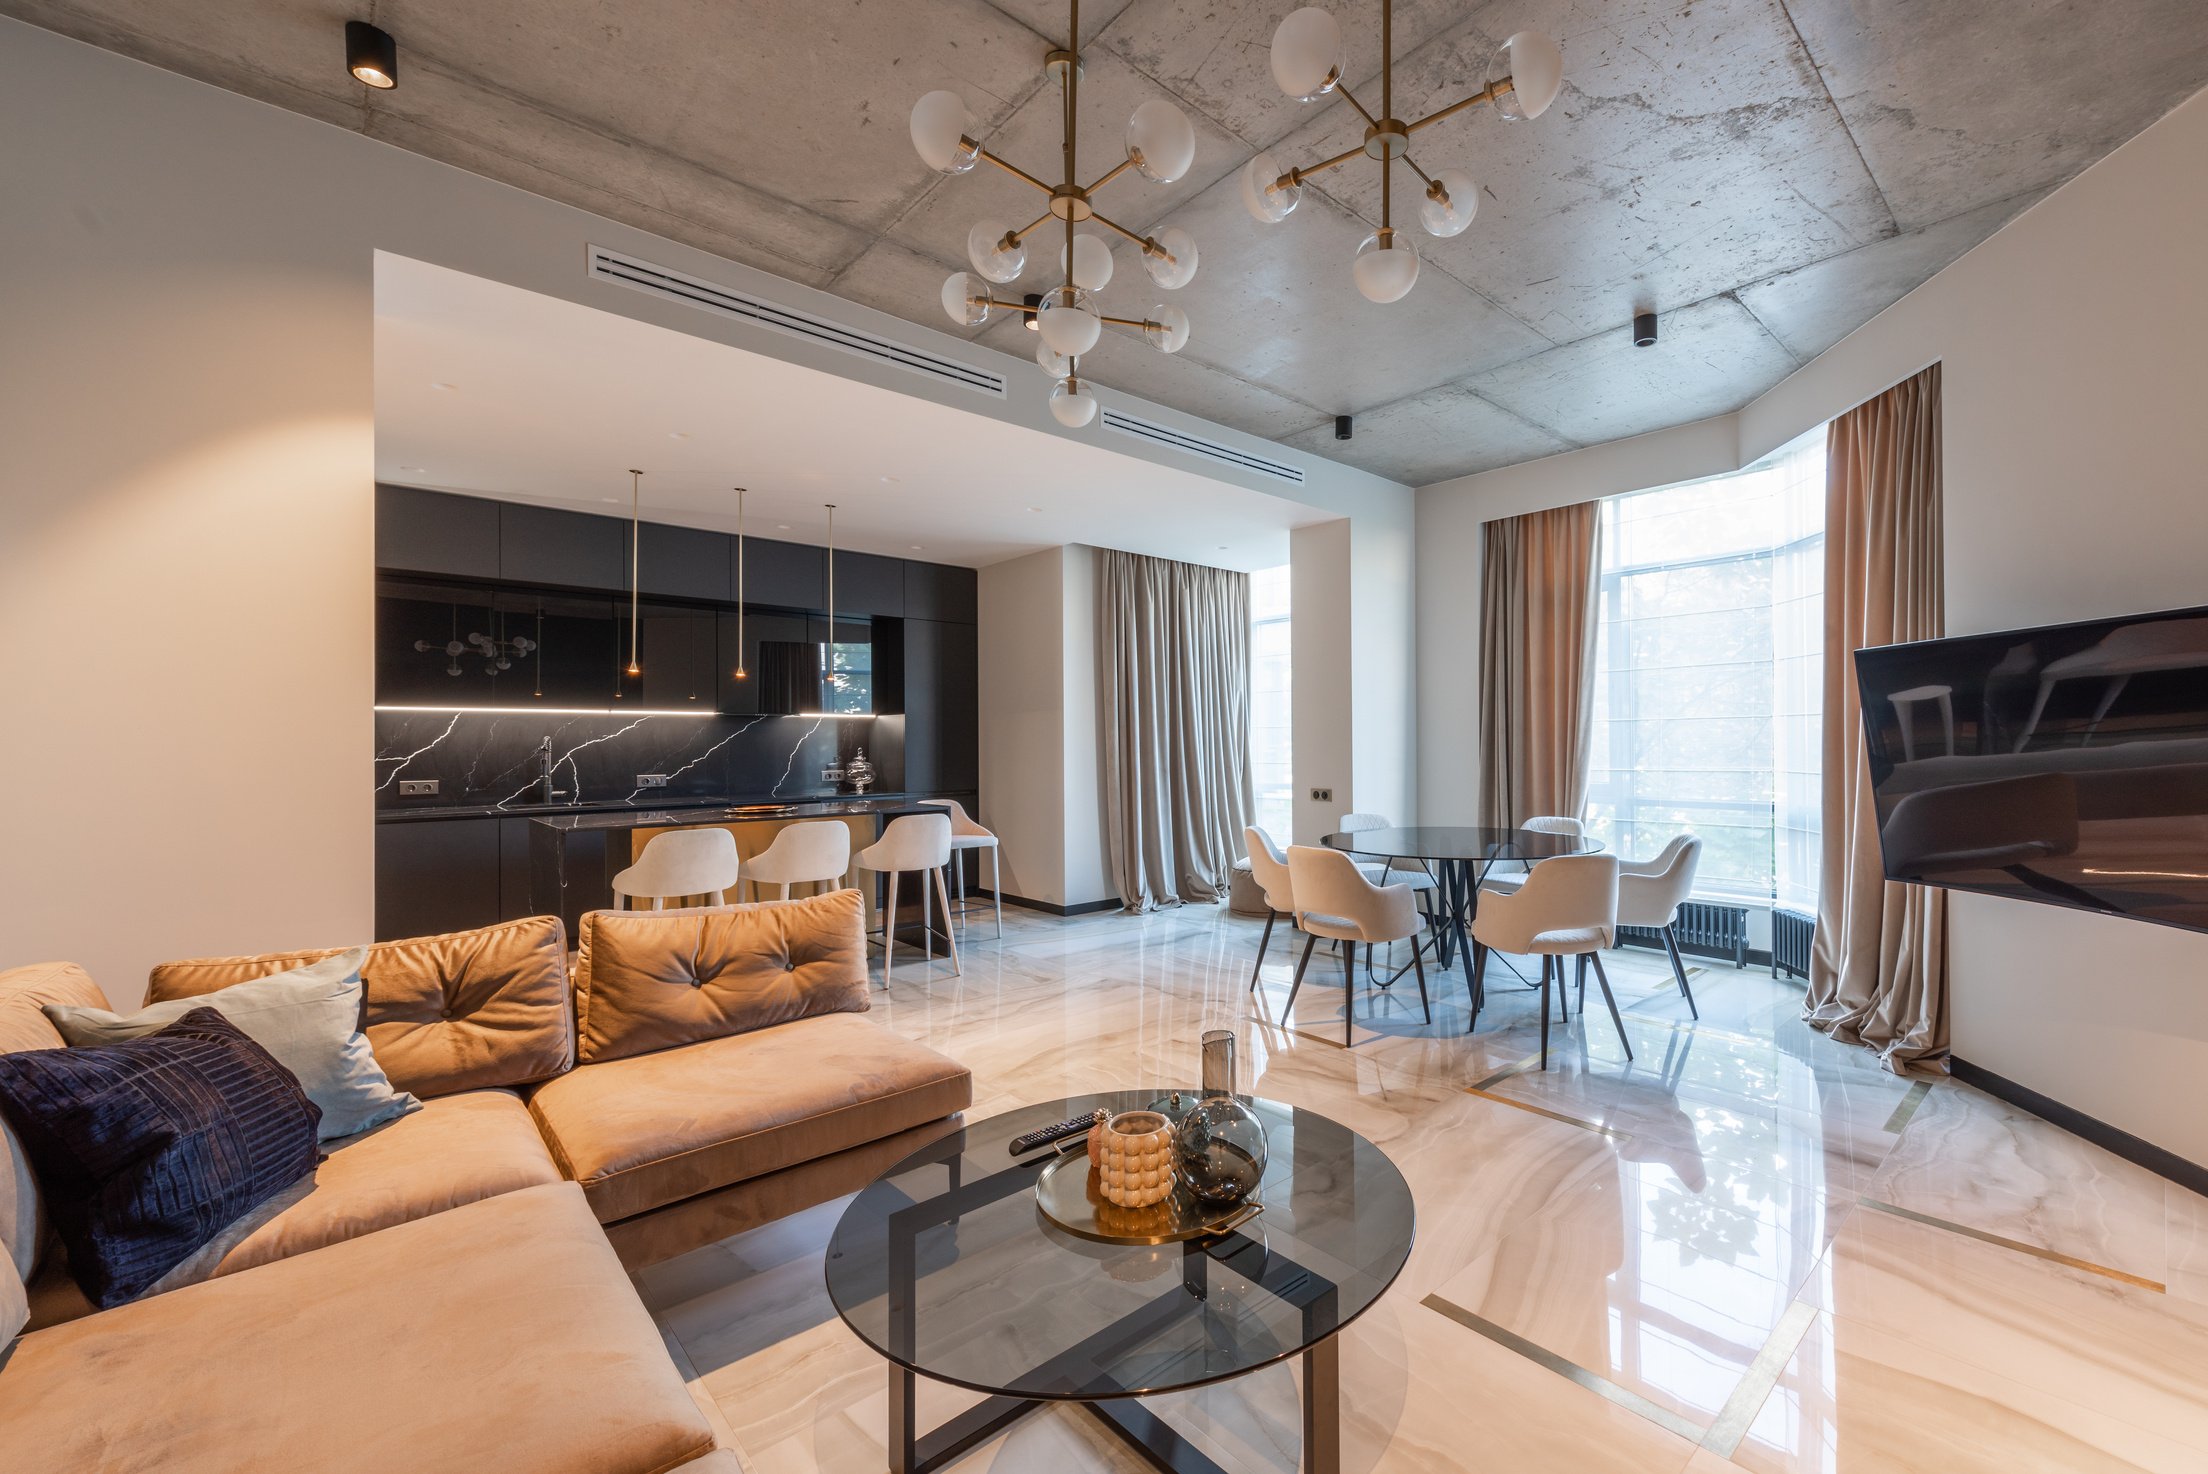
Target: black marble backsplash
[{"x": 492, "y": 760}]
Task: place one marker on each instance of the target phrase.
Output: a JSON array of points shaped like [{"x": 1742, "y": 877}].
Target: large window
[
  {"x": 1708, "y": 673},
  {"x": 1270, "y": 769}
]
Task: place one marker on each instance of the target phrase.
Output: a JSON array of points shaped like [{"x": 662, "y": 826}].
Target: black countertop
[{"x": 699, "y": 810}]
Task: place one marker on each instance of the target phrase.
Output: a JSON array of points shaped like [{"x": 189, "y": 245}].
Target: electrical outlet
[
  {"x": 417, "y": 788},
  {"x": 1322, "y": 795},
  {"x": 651, "y": 780},
  {"x": 831, "y": 775}
]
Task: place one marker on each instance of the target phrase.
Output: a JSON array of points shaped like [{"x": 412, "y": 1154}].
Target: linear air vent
[
  {"x": 661, "y": 281},
  {"x": 1196, "y": 445}
]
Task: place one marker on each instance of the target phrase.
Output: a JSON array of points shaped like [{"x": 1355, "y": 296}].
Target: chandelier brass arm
[{"x": 1523, "y": 80}]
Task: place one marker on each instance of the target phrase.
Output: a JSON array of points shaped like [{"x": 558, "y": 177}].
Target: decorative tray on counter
[{"x": 1068, "y": 1195}]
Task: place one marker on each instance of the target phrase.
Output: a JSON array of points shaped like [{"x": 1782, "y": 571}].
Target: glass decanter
[{"x": 1220, "y": 1143}]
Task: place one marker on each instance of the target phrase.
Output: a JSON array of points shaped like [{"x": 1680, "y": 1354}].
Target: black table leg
[{"x": 1322, "y": 1407}]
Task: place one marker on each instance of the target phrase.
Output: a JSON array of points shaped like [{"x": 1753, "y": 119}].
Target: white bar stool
[
  {"x": 917, "y": 843},
  {"x": 810, "y": 853},
  {"x": 681, "y": 862},
  {"x": 966, "y": 834}
]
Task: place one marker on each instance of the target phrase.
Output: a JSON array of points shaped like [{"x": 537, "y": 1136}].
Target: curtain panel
[
  {"x": 1539, "y": 581},
  {"x": 1173, "y": 715},
  {"x": 1878, "y": 972}
]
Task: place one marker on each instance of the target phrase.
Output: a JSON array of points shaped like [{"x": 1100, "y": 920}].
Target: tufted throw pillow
[{"x": 146, "y": 1149}]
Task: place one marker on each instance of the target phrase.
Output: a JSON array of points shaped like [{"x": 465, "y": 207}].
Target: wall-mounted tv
[{"x": 2067, "y": 764}]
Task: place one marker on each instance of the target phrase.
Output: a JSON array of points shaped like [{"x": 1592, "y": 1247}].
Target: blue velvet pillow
[{"x": 146, "y": 1149}]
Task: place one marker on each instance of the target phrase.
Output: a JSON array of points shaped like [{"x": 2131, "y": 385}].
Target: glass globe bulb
[
  {"x": 1161, "y": 141},
  {"x": 966, "y": 299},
  {"x": 1266, "y": 199},
  {"x": 1174, "y": 263},
  {"x": 940, "y": 124},
  {"x": 1071, "y": 403},
  {"x": 1052, "y": 362},
  {"x": 1071, "y": 328},
  {"x": 1535, "y": 69},
  {"x": 1167, "y": 329},
  {"x": 1307, "y": 54},
  {"x": 1451, "y": 218},
  {"x": 1092, "y": 263},
  {"x": 1385, "y": 273},
  {"x": 985, "y": 248}
]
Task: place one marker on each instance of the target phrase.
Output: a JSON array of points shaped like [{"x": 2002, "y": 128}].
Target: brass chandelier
[
  {"x": 1161, "y": 146},
  {"x": 1307, "y": 63}
]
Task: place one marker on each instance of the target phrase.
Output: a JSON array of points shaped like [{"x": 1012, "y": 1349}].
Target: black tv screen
[{"x": 2067, "y": 764}]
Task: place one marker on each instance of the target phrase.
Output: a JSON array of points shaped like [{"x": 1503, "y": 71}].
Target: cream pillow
[{"x": 308, "y": 1018}]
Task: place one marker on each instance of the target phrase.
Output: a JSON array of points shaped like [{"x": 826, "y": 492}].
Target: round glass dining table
[{"x": 1459, "y": 858}]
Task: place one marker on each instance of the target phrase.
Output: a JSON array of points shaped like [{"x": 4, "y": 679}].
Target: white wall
[
  {"x": 186, "y": 489},
  {"x": 1321, "y": 736},
  {"x": 2076, "y": 484},
  {"x": 1023, "y": 720}
]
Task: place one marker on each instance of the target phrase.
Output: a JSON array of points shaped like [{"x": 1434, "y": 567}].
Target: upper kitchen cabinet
[
  {"x": 940, "y": 592},
  {"x": 681, "y": 659},
  {"x": 869, "y": 585},
  {"x": 575, "y": 550},
  {"x": 781, "y": 575},
  {"x": 685, "y": 563},
  {"x": 435, "y": 532}
]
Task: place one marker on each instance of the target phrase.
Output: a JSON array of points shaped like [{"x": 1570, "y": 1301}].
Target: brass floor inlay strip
[
  {"x": 1571, "y": 1371},
  {"x": 1739, "y": 1412},
  {"x": 1505, "y": 1073},
  {"x": 1908, "y": 1106},
  {"x": 2022, "y": 1248},
  {"x": 1544, "y": 1111}
]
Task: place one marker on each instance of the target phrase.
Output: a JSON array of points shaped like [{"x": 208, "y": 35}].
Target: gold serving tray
[{"x": 1068, "y": 1195}]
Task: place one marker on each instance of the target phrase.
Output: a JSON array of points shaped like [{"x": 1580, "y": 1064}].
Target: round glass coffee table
[{"x": 946, "y": 1267}]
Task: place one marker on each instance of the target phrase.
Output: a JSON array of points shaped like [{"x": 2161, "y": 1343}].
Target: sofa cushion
[
  {"x": 500, "y": 1335},
  {"x": 462, "y": 1011},
  {"x": 657, "y": 1128},
  {"x": 647, "y": 980},
  {"x": 146, "y": 1149},
  {"x": 24, "y": 993}
]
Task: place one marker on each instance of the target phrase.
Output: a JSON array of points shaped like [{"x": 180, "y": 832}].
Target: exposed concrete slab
[
  {"x": 891, "y": 278},
  {"x": 1711, "y": 359},
  {"x": 1965, "y": 102},
  {"x": 1432, "y": 436},
  {"x": 1813, "y": 308}
]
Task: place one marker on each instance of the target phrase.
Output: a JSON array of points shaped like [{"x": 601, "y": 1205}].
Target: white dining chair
[
  {"x": 812, "y": 852},
  {"x": 1414, "y": 875},
  {"x": 1650, "y": 893},
  {"x": 1568, "y": 907},
  {"x": 1510, "y": 880},
  {"x": 678, "y": 863},
  {"x": 1333, "y": 899},
  {"x": 914, "y": 844},
  {"x": 968, "y": 834},
  {"x": 1269, "y": 867}
]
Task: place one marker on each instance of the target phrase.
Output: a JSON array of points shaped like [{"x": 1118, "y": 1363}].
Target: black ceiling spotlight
[
  {"x": 1341, "y": 427},
  {"x": 371, "y": 55},
  {"x": 1644, "y": 329},
  {"x": 1033, "y": 301}
]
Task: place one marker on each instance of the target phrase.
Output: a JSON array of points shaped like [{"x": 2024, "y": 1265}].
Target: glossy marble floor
[{"x": 1748, "y": 1248}]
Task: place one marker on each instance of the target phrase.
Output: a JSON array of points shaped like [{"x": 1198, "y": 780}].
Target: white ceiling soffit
[{"x": 492, "y": 390}]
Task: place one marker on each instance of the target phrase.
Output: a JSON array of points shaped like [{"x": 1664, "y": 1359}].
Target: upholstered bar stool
[
  {"x": 1650, "y": 893},
  {"x": 914, "y": 844},
  {"x": 1568, "y": 907},
  {"x": 681, "y": 862},
  {"x": 966, "y": 834},
  {"x": 1333, "y": 899},
  {"x": 814, "y": 852}
]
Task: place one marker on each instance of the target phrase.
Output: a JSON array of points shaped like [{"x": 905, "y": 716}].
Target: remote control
[{"x": 1071, "y": 1126}]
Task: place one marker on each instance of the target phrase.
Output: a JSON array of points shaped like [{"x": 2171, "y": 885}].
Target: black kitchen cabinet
[
  {"x": 763, "y": 664},
  {"x": 545, "y": 545},
  {"x": 782, "y": 575},
  {"x": 436, "y": 875},
  {"x": 513, "y": 868},
  {"x": 435, "y": 532},
  {"x": 685, "y": 563},
  {"x": 939, "y": 591},
  {"x": 942, "y": 701},
  {"x": 867, "y": 584},
  {"x": 681, "y": 659}
]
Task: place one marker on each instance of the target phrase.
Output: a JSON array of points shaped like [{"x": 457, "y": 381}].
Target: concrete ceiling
[
  {"x": 1767, "y": 173},
  {"x": 494, "y": 391}
]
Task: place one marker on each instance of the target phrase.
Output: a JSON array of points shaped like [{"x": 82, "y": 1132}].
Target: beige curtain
[
  {"x": 1537, "y": 662},
  {"x": 1878, "y": 975},
  {"x": 1173, "y": 714}
]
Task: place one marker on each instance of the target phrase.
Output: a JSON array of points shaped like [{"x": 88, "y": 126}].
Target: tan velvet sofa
[{"x": 692, "y": 1074}]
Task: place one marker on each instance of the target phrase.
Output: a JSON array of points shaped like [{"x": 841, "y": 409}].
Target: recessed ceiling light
[
  {"x": 678, "y": 434},
  {"x": 609, "y": 498},
  {"x": 413, "y": 468},
  {"x": 441, "y": 384},
  {"x": 918, "y": 549},
  {"x": 782, "y": 527},
  {"x": 1034, "y": 509},
  {"x": 892, "y": 480}
]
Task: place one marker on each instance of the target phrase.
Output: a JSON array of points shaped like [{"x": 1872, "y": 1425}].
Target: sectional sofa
[{"x": 450, "y": 1291}]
